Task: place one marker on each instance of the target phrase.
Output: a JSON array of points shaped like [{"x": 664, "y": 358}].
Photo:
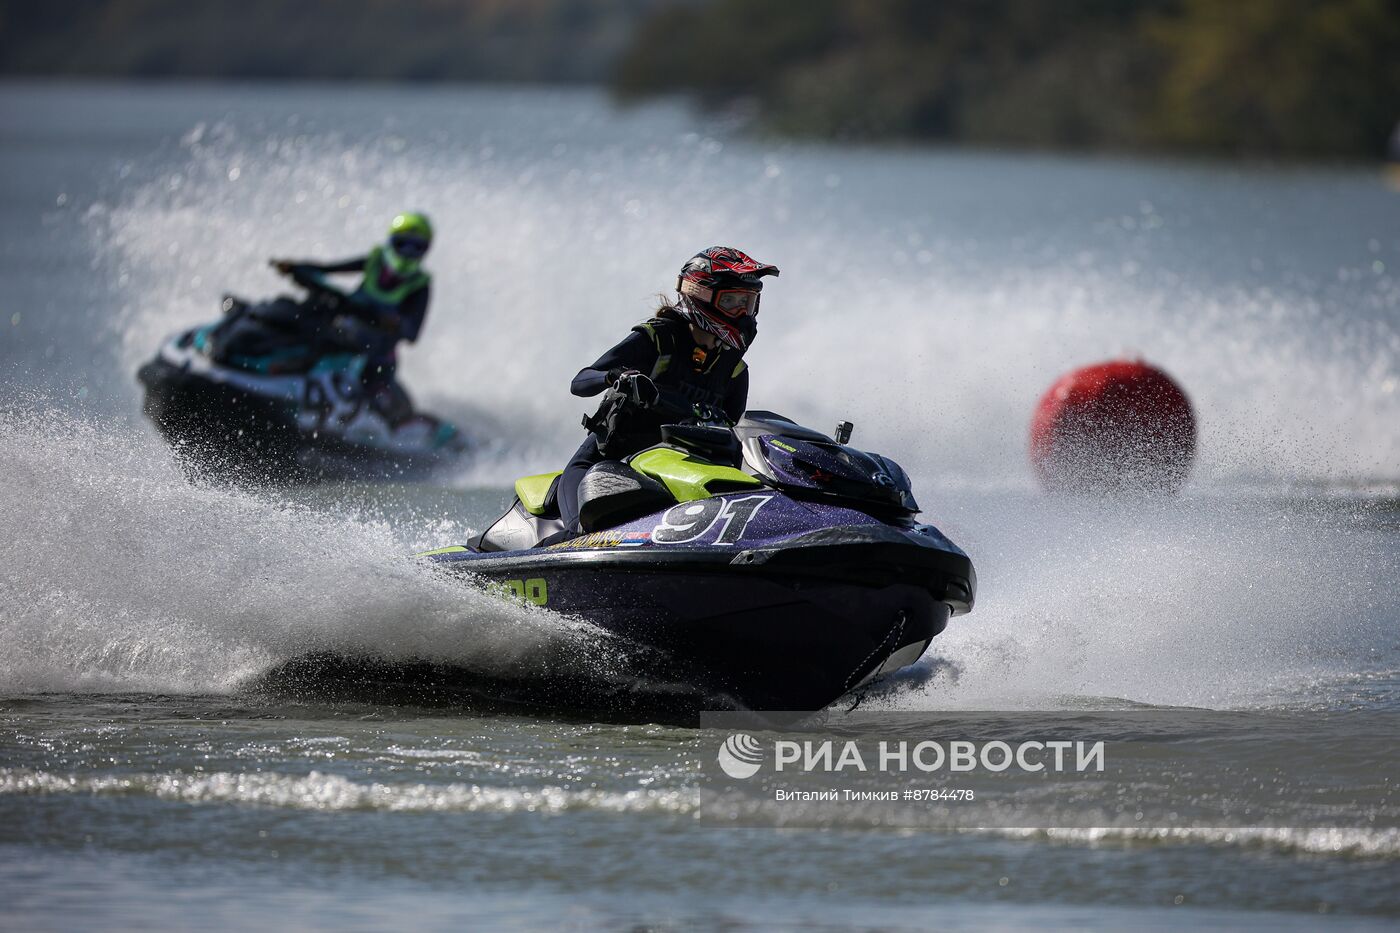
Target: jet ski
[
  {"x": 274, "y": 391},
  {"x": 763, "y": 565}
]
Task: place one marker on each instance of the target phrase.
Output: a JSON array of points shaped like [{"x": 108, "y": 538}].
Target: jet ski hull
[
  {"x": 756, "y": 644},
  {"x": 786, "y": 617},
  {"x": 259, "y": 427},
  {"x": 748, "y": 641}
]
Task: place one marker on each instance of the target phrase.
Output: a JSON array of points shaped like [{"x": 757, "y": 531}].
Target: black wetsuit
[
  {"x": 401, "y": 321},
  {"x": 395, "y": 306},
  {"x": 684, "y": 372}
]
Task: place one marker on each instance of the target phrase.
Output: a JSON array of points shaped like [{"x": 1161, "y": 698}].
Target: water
[{"x": 927, "y": 296}]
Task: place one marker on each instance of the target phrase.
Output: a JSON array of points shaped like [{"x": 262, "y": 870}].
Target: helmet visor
[
  {"x": 736, "y": 302},
  {"x": 409, "y": 246}
]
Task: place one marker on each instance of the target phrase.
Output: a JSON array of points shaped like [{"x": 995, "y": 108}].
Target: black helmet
[{"x": 719, "y": 291}]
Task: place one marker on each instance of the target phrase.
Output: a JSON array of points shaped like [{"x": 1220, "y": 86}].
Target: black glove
[{"x": 638, "y": 388}]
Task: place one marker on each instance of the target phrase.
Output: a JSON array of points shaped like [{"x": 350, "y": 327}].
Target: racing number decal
[
  {"x": 736, "y": 515},
  {"x": 535, "y": 590},
  {"x": 687, "y": 522},
  {"x": 690, "y": 520}
]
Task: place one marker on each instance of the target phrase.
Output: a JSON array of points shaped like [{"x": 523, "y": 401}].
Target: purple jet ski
[{"x": 771, "y": 566}]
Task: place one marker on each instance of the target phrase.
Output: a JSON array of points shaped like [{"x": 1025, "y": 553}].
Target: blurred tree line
[
  {"x": 1279, "y": 77},
  {"x": 423, "y": 40},
  {"x": 1283, "y": 77}
]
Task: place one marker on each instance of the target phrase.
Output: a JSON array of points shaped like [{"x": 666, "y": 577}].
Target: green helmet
[{"x": 410, "y": 235}]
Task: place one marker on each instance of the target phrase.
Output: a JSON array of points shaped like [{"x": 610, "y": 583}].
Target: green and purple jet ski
[{"x": 766, "y": 565}]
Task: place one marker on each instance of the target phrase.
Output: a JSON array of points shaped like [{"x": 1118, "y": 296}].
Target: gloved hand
[
  {"x": 637, "y": 387},
  {"x": 283, "y": 266}
]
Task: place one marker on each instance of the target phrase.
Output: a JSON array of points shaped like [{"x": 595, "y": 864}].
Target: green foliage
[
  {"x": 1296, "y": 76},
  {"x": 426, "y": 40},
  {"x": 1261, "y": 76},
  {"x": 1276, "y": 77}
]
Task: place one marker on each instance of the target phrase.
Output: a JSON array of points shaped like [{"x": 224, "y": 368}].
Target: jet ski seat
[
  {"x": 612, "y": 492},
  {"x": 539, "y": 494}
]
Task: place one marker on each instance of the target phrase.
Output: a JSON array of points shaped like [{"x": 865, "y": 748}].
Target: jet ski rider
[
  {"x": 392, "y": 300},
  {"x": 691, "y": 353}
]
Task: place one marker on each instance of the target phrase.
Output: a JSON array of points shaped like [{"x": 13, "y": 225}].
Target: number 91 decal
[{"x": 691, "y": 520}]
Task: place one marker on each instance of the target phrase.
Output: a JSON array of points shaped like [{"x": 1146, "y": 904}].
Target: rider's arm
[
  {"x": 636, "y": 352},
  {"x": 411, "y": 313},
  {"x": 349, "y": 265}
]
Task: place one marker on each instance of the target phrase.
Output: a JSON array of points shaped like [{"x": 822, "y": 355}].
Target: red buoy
[{"x": 1121, "y": 426}]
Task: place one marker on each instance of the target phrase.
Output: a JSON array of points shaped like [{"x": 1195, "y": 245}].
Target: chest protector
[
  {"x": 682, "y": 367},
  {"x": 387, "y": 298}
]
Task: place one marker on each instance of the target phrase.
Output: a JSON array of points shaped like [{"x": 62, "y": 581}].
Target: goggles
[
  {"x": 409, "y": 247},
  {"x": 737, "y": 302},
  {"x": 731, "y": 302}
]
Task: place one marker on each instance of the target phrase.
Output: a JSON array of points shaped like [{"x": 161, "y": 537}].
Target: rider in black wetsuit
[
  {"x": 392, "y": 299},
  {"x": 691, "y": 353}
]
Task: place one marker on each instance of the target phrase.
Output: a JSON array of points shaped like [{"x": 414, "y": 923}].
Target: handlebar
[
  {"x": 334, "y": 299},
  {"x": 314, "y": 280},
  {"x": 671, "y": 407}
]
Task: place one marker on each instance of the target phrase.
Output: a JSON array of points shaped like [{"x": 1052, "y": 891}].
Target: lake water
[{"x": 927, "y": 296}]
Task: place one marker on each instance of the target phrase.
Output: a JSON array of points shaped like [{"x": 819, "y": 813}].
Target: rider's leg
[
  {"x": 384, "y": 391},
  {"x": 584, "y": 458}
]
